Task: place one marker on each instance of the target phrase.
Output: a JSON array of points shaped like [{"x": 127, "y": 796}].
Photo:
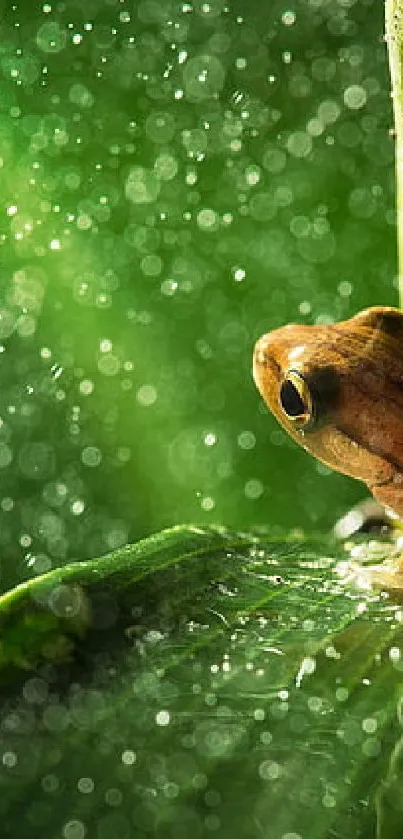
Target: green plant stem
[{"x": 394, "y": 39}]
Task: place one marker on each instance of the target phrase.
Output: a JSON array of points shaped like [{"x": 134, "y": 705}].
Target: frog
[{"x": 337, "y": 390}]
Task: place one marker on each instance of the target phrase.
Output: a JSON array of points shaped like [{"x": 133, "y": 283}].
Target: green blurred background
[{"x": 176, "y": 179}]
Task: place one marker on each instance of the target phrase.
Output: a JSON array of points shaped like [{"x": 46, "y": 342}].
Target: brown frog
[{"x": 338, "y": 391}]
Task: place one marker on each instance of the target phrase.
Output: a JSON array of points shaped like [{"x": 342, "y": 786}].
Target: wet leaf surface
[{"x": 201, "y": 682}]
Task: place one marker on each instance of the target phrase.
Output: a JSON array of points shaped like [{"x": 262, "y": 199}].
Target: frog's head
[{"x": 337, "y": 389}]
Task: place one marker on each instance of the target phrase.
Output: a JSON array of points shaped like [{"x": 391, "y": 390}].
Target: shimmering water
[{"x": 176, "y": 178}]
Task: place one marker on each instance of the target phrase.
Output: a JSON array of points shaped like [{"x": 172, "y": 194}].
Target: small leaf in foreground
[{"x": 200, "y": 682}]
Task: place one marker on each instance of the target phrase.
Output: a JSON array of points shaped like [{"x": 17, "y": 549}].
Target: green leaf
[{"x": 199, "y": 683}]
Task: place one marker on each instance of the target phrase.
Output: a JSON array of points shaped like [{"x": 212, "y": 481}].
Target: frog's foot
[
  {"x": 374, "y": 564},
  {"x": 377, "y": 561},
  {"x": 371, "y": 565},
  {"x": 367, "y": 517},
  {"x": 387, "y": 575}
]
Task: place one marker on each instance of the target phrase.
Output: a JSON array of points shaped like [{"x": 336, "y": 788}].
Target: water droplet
[
  {"x": 163, "y": 718},
  {"x": 91, "y": 456},
  {"x": 208, "y": 220},
  {"x": 142, "y": 185},
  {"x": 86, "y": 387},
  {"x": 51, "y": 38},
  {"x": 128, "y": 757},
  {"x": 355, "y": 96},
  {"x": 299, "y": 144},
  {"x": 288, "y": 18},
  {"x": 85, "y": 785},
  {"x": 254, "y": 488},
  {"x": 246, "y": 440},
  {"x": 146, "y": 395},
  {"x": 239, "y": 274}
]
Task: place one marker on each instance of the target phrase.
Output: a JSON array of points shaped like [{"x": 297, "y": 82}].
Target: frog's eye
[{"x": 296, "y": 399}]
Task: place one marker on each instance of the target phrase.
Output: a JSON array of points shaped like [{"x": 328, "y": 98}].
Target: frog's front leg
[
  {"x": 387, "y": 575},
  {"x": 390, "y": 494},
  {"x": 376, "y": 562}
]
